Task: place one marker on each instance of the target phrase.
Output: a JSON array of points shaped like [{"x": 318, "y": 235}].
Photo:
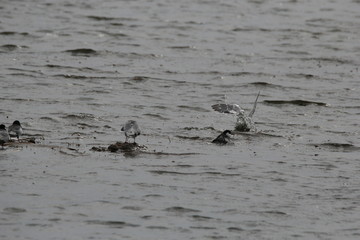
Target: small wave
[
  {"x": 11, "y": 47},
  {"x": 14, "y": 33},
  {"x": 278, "y": 213},
  {"x": 70, "y": 67},
  {"x": 86, "y": 52},
  {"x": 262, "y": 84},
  {"x": 157, "y": 116},
  {"x": 197, "y": 109},
  {"x": 79, "y": 116},
  {"x": 50, "y": 119},
  {"x": 300, "y": 75},
  {"x": 101, "y": 18},
  {"x": 112, "y": 224},
  {"x": 338, "y": 147},
  {"x": 332, "y": 60},
  {"x": 160, "y": 172},
  {"x": 197, "y": 128},
  {"x": 139, "y": 78},
  {"x": 270, "y": 85},
  {"x": 182, "y": 47},
  {"x": 295, "y": 102},
  {"x": 251, "y": 30},
  {"x": 180, "y": 210},
  {"x": 14, "y": 210},
  {"x": 18, "y": 99},
  {"x": 199, "y": 217},
  {"x": 188, "y": 138},
  {"x": 235, "y": 229}
]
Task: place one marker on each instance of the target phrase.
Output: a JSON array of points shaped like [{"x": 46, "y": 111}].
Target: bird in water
[
  {"x": 131, "y": 130},
  {"x": 4, "y": 135},
  {"x": 244, "y": 122},
  {"x": 16, "y": 128},
  {"x": 223, "y": 138}
]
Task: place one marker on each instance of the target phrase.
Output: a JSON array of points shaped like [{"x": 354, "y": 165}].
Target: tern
[{"x": 244, "y": 122}]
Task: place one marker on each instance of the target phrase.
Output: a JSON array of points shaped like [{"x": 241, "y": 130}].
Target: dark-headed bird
[
  {"x": 16, "y": 128},
  {"x": 223, "y": 138}
]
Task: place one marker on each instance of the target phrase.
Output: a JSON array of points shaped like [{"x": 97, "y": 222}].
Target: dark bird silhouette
[{"x": 223, "y": 138}]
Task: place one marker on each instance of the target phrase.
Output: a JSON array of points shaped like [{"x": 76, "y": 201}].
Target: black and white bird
[
  {"x": 4, "y": 135},
  {"x": 223, "y": 138},
  {"x": 244, "y": 122},
  {"x": 131, "y": 130},
  {"x": 16, "y": 128}
]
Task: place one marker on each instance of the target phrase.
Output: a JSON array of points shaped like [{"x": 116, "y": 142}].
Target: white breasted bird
[
  {"x": 16, "y": 128},
  {"x": 131, "y": 130}
]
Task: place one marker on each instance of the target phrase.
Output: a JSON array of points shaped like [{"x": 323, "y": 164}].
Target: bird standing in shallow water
[
  {"x": 223, "y": 138},
  {"x": 4, "y": 135},
  {"x": 131, "y": 129},
  {"x": 244, "y": 123},
  {"x": 16, "y": 128}
]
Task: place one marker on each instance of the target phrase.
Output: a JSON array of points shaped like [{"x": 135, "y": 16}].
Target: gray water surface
[{"x": 74, "y": 71}]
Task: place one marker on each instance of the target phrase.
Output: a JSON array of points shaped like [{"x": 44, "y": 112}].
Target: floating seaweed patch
[{"x": 126, "y": 147}]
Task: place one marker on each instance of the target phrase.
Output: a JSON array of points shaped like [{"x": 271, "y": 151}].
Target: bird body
[
  {"x": 244, "y": 122},
  {"x": 4, "y": 135},
  {"x": 223, "y": 138},
  {"x": 131, "y": 130},
  {"x": 16, "y": 128}
]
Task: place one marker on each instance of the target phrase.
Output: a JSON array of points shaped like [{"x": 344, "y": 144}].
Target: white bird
[
  {"x": 244, "y": 123},
  {"x": 131, "y": 129},
  {"x": 16, "y": 128},
  {"x": 4, "y": 135}
]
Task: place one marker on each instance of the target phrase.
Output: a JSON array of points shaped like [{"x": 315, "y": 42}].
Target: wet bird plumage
[
  {"x": 131, "y": 130},
  {"x": 16, "y": 128},
  {"x": 244, "y": 123},
  {"x": 223, "y": 138},
  {"x": 4, "y": 135}
]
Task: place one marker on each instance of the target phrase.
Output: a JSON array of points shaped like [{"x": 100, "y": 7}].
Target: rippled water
[{"x": 74, "y": 71}]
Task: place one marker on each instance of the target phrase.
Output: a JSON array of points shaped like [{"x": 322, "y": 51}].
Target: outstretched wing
[
  {"x": 254, "y": 107},
  {"x": 228, "y": 108}
]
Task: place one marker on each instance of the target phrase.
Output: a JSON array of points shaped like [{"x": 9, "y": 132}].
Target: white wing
[
  {"x": 254, "y": 107},
  {"x": 228, "y": 108}
]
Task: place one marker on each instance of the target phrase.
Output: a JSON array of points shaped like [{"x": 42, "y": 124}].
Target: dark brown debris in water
[
  {"x": 13, "y": 142},
  {"x": 125, "y": 147},
  {"x": 122, "y": 146},
  {"x": 99, "y": 149},
  {"x": 132, "y": 149}
]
